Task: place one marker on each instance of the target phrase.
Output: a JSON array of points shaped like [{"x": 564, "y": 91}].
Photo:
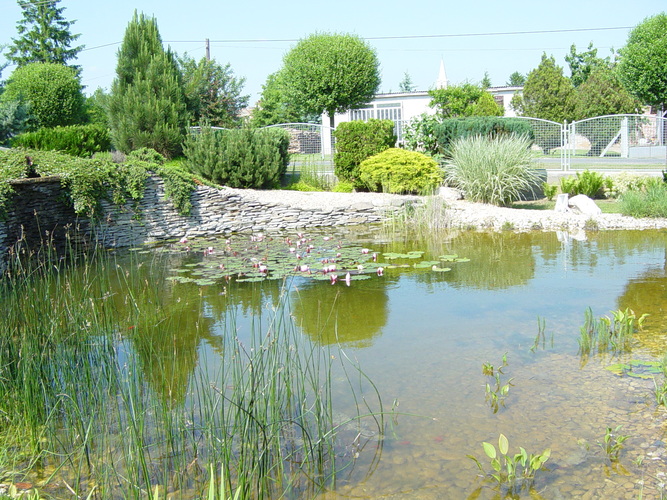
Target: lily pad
[{"x": 440, "y": 269}]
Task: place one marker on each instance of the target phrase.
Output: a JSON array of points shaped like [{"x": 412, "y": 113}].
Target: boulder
[
  {"x": 450, "y": 194},
  {"x": 584, "y": 205}
]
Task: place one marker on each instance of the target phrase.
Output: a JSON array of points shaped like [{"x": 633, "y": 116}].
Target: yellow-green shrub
[{"x": 400, "y": 171}]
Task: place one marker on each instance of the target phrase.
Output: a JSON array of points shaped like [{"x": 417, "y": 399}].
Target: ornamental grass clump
[
  {"x": 492, "y": 170},
  {"x": 650, "y": 201}
]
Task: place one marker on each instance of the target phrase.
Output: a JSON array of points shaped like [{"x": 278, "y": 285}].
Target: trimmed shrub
[
  {"x": 400, "y": 171},
  {"x": 453, "y": 129},
  {"x": 75, "y": 140},
  {"x": 53, "y": 92},
  {"x": 356, "y": 141},
  {"x": 245, "y": 158},
  {"x": 492, "y": 170}
]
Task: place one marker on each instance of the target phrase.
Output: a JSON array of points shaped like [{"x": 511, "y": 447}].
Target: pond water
[{"x": 422, "y": 337}]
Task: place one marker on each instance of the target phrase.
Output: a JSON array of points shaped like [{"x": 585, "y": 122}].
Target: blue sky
[{"x": 244, "y": 33}]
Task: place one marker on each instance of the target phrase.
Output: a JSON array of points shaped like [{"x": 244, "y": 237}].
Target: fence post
[{"x": 564, "y": 147}]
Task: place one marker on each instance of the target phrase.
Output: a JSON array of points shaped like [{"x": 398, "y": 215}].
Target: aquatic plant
[
  {"x": 496, "y": 389},
  {"x": 606, "y": 334},
  {"x": 612, "y": 443},
  {"x": 512, "y": 473},
  {"x": 540, "y": 338},
  {"x": 102, "y": 381}
]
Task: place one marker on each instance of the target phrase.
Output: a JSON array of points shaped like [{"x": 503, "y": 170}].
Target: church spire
[{"x": 442, "y": 77}]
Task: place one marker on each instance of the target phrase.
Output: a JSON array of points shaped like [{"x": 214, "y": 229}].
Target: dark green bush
[
  {"x": 148, "y": 155},
  {"x": 75, "y": 140},
  {"x": 245, "y": 158},
  {"x": 400, "y": 171},
  {"x": 356, "y": 141},
  {"x": 452, "y": 129}
]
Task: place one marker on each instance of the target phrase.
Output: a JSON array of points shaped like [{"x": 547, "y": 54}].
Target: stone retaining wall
[{"x": 40, "y": 213}]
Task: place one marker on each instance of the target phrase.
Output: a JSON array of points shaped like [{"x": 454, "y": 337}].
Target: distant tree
[
  {"x": 602, "y": 94},
  {"x": 547, "y": 93},
  {"x": 516, "y": 80},
  {"x": 147, "y": 104},
  {"x": 44, "y": 35},
  {"x": 330, "y": 73},
  {"x": 406, "y": 84},
  {"x": 583, "y": 63},
  {"x": 273, "y": 106},
  {"x": 212, "y": 92},
  {"x": 486, "y": 105},
  {"x": 52, "y": 91},
  {"x": 463, "y": 100},
  {"x": 643, "y": 61},
  {"x": 97, "y": 107},
  {"x": 14, "y": 116},
  {"x": 486, "y": 81}
]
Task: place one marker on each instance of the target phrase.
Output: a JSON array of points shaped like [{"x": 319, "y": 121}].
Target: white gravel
[{"x": 460, "y": 213}]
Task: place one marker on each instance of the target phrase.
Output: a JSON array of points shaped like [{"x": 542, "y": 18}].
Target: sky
[{"x": 496, "y": 37}]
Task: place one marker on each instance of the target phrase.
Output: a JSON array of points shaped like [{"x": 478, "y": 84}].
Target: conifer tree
[
  {"x": 44, "y": 35},
  {"x": 147, "y": 105}
]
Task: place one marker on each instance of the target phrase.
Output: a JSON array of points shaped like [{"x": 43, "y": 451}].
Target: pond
[{"x": 449, "y": 343}]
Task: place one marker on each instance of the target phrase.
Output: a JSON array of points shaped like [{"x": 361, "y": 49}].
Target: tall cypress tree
[
  {"x": 44, "y": 35},
  {"x": 147, "y": 104}
]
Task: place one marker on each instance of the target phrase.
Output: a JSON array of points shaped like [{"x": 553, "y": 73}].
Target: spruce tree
[
  {"x": 147, "y": 104},
  {"x": 44, "y": 35}
]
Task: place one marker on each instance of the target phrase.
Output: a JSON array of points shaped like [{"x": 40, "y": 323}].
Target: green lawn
[{"x": 607, "y": 206}]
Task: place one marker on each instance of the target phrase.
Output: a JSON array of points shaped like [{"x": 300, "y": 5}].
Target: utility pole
[{"x": 208, "y": 50}]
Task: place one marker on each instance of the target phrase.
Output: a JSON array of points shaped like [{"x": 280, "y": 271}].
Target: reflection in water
[
  {"x": 351, "y": 316},
  {"x": 422, "y": 338}
]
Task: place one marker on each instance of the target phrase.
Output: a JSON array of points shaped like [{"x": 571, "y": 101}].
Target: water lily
[
  {"x": 334, "y": 278},
  {"x": 380, "y": 271},
  {"x": 183, "y": 240},
  {"x": 348, "y": 279}
]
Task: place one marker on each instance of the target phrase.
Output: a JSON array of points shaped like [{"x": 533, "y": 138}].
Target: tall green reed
[{"x": 102, "y": 370}]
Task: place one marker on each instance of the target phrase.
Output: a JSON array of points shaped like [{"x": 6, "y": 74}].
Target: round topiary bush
[{"x": 400, "y": 171}]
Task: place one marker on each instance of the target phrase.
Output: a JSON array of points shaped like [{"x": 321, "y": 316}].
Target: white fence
[{"x": 613, "y": 142}]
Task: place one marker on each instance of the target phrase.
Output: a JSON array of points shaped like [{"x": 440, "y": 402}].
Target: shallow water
[{"x": 422, "y": 337}]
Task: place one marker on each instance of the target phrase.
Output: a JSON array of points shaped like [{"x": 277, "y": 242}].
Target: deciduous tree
[
  {"x": 643, "y": 61},
  {"x": 44, "y": 35},
  {"x": 273, "y": 106},
  {"x": 583, "y": 63},
  {"x": 328, "y": 72},
  {"x": 463, "y": 100}
]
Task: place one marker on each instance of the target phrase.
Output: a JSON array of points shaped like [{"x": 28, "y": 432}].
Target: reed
[{"x": 103, "y": 382}]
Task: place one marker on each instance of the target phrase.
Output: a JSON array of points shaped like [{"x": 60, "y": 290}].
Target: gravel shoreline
[{"x": 461, "y": 214}]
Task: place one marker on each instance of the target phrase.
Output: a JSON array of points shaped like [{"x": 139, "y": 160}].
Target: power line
[{"x": 397, "y": 37}]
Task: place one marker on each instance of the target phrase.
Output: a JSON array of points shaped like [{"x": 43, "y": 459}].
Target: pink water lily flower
[
  {"x": 348, "y": 279},
  {"x": 380, "y": 271}
]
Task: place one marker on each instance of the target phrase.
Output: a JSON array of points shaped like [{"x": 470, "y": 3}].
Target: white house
[{"x": 401, "y": 107}]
